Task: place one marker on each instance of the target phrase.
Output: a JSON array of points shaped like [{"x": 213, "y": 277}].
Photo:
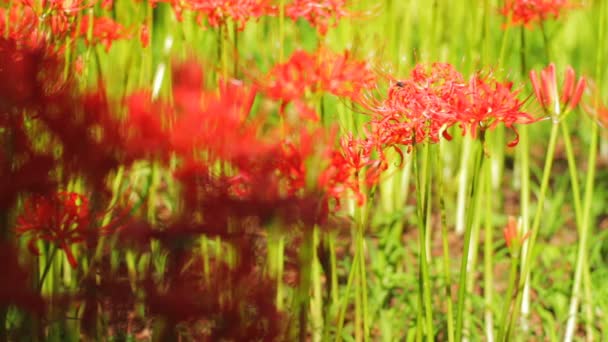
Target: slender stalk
[
  {"x": 576, "y": 196},
  {"x": 423, "y": 216},
  {"x": 537, "y": 218},
  {"x": 506, "y": 307},
  {"x": 363, "y": 283},
  {"x": 302, "y": 293},
  {"x": 582, "y": 245},
  {"x": 581, "y": 259},
  {"x": 503, "y": 44},
  {"x": 524, "y": 159},
  {"x": 462, "y": 284},
  {"x": 524, "y": 155},
  {"x": 447, "y": 268},
  {"x": 473, "y": 250},
  {"x": 545, "y": 40},
  {"x": 463, "y": 184},
  {"x": 317, "y": 299},
  {"x": 488, "y": 287},
  {"x": 349, "y": 284},
  {"x": 47, "y": 266}
]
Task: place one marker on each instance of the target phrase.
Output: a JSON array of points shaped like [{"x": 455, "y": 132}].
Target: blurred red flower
[
  {"x": 321, "y": 14},
  {"x": 105, "y": 31},
  {"x": 322, "y": 71},
  {"x": 63, "y": 218},
  {"x": 528, "y": 12}
]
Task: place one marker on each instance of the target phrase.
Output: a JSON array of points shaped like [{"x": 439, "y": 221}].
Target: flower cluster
[
  {"x": 321, "y": 14},
  {"x": 528, "y": 12},
  {"x": 421, "y": 109},
  {"x": 40, "y": 23},
  {"x": 323, "y": 71}
]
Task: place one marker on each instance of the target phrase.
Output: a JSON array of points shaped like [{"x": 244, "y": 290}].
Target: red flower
[
  {"x": 435, "y": 98},
  {"x": 547, "y": 92},
  {"x": 512, "y": 234},
  {"x": 143, "y": 133},
  {"x": 63, "y": 219},
  {"x": 419, "y": 108},
  {"x": 527, "y": 12},
  {"x": 105, "y": 31},
  {"x": 321, "y": 14},
  {"x": 489, "y": 103},
  {"x": 323, "y": 71},
  {"x": 217, "y": 12}
]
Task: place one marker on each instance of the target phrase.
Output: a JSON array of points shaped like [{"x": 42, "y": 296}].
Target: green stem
[
  {"x": 537, "y": 217},
  {"x": 506, "y": 307},
  {"x": 503, "y": 44},
  {"x": 47, "y": 266},
  {"x": 524, "y": 154},
  {"x": 446, "y": 250},
  {"x": 363, "y": 283},
  {"x": 423, "y": 215},
  {"x": 581, "y": 258},
  {"x": 349, "y": 284},
  {"x": 488, "y": 287},
  {"x": 462, "y": 284},
  {"x": 545, "y": 41},
  {"x": 317, "y": 299}
]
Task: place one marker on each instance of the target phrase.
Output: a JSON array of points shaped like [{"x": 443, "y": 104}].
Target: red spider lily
[
  {"x": 344, "y": 76},
  {"x": 420, "y": 107},
  {"x": 321, "y": 14},
  {"x": 144, "y": 135},
  {"x": 527, "y": 12},
  {"x": 489, "y": 103},
  {"x": 56, "y": 15},
  {"x": 105, "y": 31},
  {"x": 21, "y": 23},
  {"x": 217, "y": 12},
  {"x": 547, "y": 93},
  {"x": 435, "y": 98},
  {"x": 296, "y": 155},
  {"x": 63, "y": 219},
  {"x": 66, "y": 6},
  {"x": 15, "y": 283},
  {"x": 350, "y": 167},
  {"x": 219, "y": 126},
  {"x": 188, "y": 80},
  {"x": 323, "y": 71}
]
